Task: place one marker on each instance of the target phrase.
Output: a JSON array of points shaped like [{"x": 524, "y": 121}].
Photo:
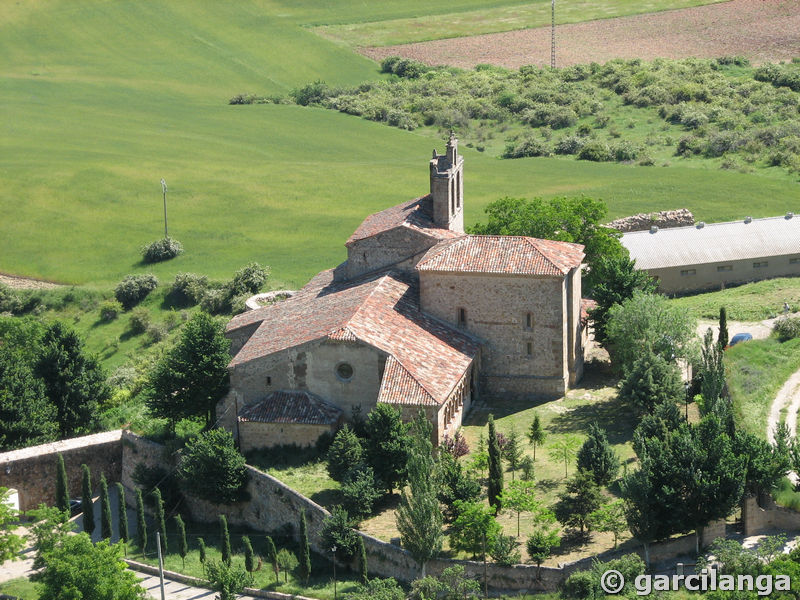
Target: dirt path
[
  {"x": 788, "y": 395},
  {"x": 762, "y": 30},
  {"x": 26, "y": 283}
]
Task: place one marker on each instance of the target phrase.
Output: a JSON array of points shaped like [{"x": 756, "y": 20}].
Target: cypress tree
[
  {"x": 160, "y": 523},
  {"x": 722, "y": 340},
  {"x": 62, "y": 486},
  {"x": 305, "y": 552},
  {"x": 201, "y": 550},
  {"x": 495, "y": 483},
  {"x": 224, "y": 540},
  {"x": 183, "y": 547},
  {"x": 597, "y": 457},
  {"x": 141, "y": 523},
  {"x": 106, "y": 527},
  {"x": 362, "y": 561},
  {"x": 249, "y": 556},
  {"x": 272, "y": 556},
  {"x": 86, "y": 500},
  {"x": 122, "y": 515}
]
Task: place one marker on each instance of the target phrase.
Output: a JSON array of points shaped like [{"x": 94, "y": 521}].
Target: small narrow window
[
  {"x": 529, "y": 320},
  {"x": 269, "y": 381},
  {"x": 529, "y": 348},
  {"x": 687, "y": 272},
  {"x": 722, "y": 268},
  {"x": 795, "y": 260},
  {"x": 760, "y": 265},
  {"x": 462, "y": 317}
]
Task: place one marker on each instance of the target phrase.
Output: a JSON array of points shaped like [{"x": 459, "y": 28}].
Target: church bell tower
[{"x": 447, "y": 187}]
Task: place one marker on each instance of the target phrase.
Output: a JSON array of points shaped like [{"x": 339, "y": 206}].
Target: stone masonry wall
[
  {"x": 662, "y": 219},
  {"x": 32, "y": 471}
]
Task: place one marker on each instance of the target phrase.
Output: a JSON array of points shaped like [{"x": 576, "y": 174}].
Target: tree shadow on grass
[
  {"x": 613, "y": 415},
  {"x": 327, "y": 498}
]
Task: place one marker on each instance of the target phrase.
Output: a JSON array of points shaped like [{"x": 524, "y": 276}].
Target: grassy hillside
[{"x": 106, "y": 98}]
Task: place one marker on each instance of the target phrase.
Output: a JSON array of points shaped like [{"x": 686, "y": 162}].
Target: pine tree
[
  {"x": 122, "y": 514},
  {"x": 581, "y": 498},
  {"x": 362, "y": 561},
  {"x": 86, "y": 500},
  {"x": 224, "y": 540},
  {"x": 272, "y": 556},
  {"x": 513, "y": 453},
  {"x": 495, "y": 483},
  {"x": 141, "y": 523},
  {"x": 344, "y": 454},
  {"x": 160, "y": 523},
  {"x": 183, "y": 547},
  {"x": 536, "y": 434},
  {"x": 62, "y": 486},
  {"x": 249, "y": 555},
  {"x": 597, "y": 457},
  {"x": 722, "y": 340},
  {"x": 305, "y": 552},
  {"x": 201, "y": 552},
  {"x": 105, "y": 510}
]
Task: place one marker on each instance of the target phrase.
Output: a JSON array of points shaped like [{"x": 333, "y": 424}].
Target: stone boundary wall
[
  {"x": 663, "y": 220},
  {"x": 757, "y": 520},
  {"x": 32, "y": 471}
]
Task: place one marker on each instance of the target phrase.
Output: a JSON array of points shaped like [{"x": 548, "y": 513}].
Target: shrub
[
  {"x": 561, "y": 118},
  {"x": 526, "y": 147},
  {"x": 569, "y": 144},
  {"x": 139, "y": 321},
  {"x": 579, "y": 586},
  {"x": 9, "y": 301},
  {"x": 213, "y": 469},
  {"x": 787, "y": 328},
  {"x": 188, "y": 288},
  {"x": 215, "y": 301},
  {"x": 312, "y": 93},
  {"x": 109, "y": 310},
  {"x": 625, "y": 151},
  {"x": 134, "y": 288},
  {"x": 161, "y": 250},
  {"x": 595, "y": 150},
  {"x": 248, "y": 280}
]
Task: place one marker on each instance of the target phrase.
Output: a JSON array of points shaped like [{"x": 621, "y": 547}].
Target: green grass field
[
  {"x": 750, "y": 302},
  {"x": 107, "y": 98}
]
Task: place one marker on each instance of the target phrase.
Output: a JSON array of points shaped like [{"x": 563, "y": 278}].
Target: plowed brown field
[{"x": 762, "y": 30}]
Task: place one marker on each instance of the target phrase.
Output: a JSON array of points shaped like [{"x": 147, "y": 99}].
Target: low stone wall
[
  {"x": 663, "y": 219},
  {"x": 32, "y": 471},
  {"x": 757, "y": 520}
]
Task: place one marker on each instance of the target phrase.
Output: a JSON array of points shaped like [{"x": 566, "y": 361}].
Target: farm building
[
  {"x": 420, "y": 316},
  {"x": 710, "y": 256}
]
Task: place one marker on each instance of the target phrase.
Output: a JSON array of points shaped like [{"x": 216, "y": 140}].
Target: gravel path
[
  {"x": 788, "y": 395},
  {"x": 26, "y": 283},
  {"x": 762, "y": 30}
]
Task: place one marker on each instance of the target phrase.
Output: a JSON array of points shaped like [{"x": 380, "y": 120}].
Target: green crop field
[{"x": 103, "y": 99}]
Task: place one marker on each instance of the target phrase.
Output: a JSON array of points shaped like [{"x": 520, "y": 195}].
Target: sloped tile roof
[
  {"x": 381, "y": 310},
  {"x": 416, "y": 214},
  {"x": 503, "y": 254},
  {"x": 398, "y": 386},
  {"x": 298, "y": 407}
]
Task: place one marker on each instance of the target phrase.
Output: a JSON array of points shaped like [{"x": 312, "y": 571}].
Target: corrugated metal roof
[{"x": 714, "y": 242}]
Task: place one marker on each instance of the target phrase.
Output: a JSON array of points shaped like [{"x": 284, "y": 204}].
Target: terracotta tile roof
[
  {"x": 380, "y": 310},
  {"x": 398, "y": 386},
  {"x": 503, "y": 254},
  {"x": 587, "y": 304},
  {"x": 415, "y": 214},
  {"x": 291, "y": 407}
]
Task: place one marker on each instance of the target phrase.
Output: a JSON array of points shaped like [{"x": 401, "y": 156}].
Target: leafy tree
[
  {"x": 337, "y": 532},
  {"x": 201, "y": 552},
  {"x": 454, "y": 484},
  {"x": 360, "y": 492},
  {"x": 504, "y": 550},
  {"x": 141, "y": 523},
  {"x": 722, "y": 338},
  {"x": 11, "y": 544},
  {"x": 419, "y": 519},
  {"x": 224, "y": 540},
  {"x": 362, "y": 561},
  {"x": 27, "y": 417},
  {"x": 495, "y": 483},
  {"x": 227, "y": 578},
  {"x": 62, "y": 485},
  {"x": 272, "y": 556},
  {"x": 648, "y": 323},
  {"x": 387, "y": 444},
  {"x": 287, "y": 562},
  {"x": 249, "y": 555},
  {"x": 105, "y": 510},
  {"x": 765, "y": 465},
  {"x": 160, "y": 522},
  {"x": 651, "y": 381},
  {"x": 565, "y": 449},
  {"x": 518, "y": 496},
  {"x": 76, "y": 568},
  {"x": 344, "y": 454},
  {"x": 581, "y": 498},
  {"x": 456, "y": 585},
  {"x": 527, "y": 468},
  {"x": 192, "y": 377},
  {"x": 615, "y": 279},
  {"x": 183, "y": 546},
  {"x": 597, "y": 457},
  {"x": 74, "y": 383},
  {"x": 212, "y": 468},
  {"x": 475, "y": 529},
  {"x": 377, "y": 589},
  {"x": 122, "y": 514},
  {"x": 305, "y": 551},
  {"x": 513, "y": 452},
  {"x": 536, "y": 434},
  {"x": 664, "y": 419},
  {"x": 540, "y": 546},
  {"x": 87, "y": 506},
  {"x": 50, "y": 525},
  {"x": 610, "y": 517}
]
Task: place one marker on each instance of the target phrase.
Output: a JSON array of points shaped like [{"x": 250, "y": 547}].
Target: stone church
[{"x": 420, "y": 315}]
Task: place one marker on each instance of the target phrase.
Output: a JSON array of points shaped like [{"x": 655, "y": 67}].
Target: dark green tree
[
  {"x": 338, "y": 532},
  {"x": 141, "y": 523},
  {"x": 227, "y": 578},
  {"x": 536, "y": 434},
  {"x": 212, "y": 468},
  {"x": 648, "y": 518},
  {"x": 249, "y": 555},
  {"x": 87, "y": 506},
  {"x": 106, "y": 526},
  {"x": 272, "y": 556},
  {"x": 659, "y": 424},
  {"x": 224, "y": 540},
  {"x": 540, "y": 546},
  {"x": 528, "y": 469},
  {"x": 495, "y": 483},
  {"x": 27, "y": 417},
  {"x": 192, "y": 377},
  {"x": 387, "y": 444},
  {"x": 344, "y": 454},
  {"x": 183, "y": 546},
  {"x": 765, "y": 465},
  {"x": 122, "y": 514},
  {"x": 362, "y": 561},
  {"x": 74, "y": 382},
  {"x": 615, "y": 280},
  {"x": 419, "y": 518},
  {"x": 454, "y": 484},
  {"x": 160, "y": 522},
  {"x": 581, "y": 498},
  {"x": 62, "y": 485},
  {"x": 597, "y": 457},
  {"x": 651, "y": 381},
  {"x": 360, "y": 492},
  {"x": 512, "y": 452},
  {"x": 712, "y": 372},
  {"x": 305, "y": 550},
  {"x": 722, "y": 338},
  {"x": 201, "y": 552}
]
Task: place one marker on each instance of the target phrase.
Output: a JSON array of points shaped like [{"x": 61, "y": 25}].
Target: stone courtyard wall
[{"x": 663, "y": 219}]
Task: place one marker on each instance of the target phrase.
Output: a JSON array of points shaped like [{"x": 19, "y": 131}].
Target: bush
[
  {"x": 215, "y": 301},
  {"x": 625, "y": 151},
  {"x": 109, "y": 310},
  {"x": 312, "y": 93},
  {"x": 188, "y": 288},
  {"x": 569, "y": 144},
  {"x": 9, "y": 301},
  {"x": 213, "y": 469},
  {"x": 787, "y": 328},
  {"x": 161, "y": 250},
  {"x": 139, "y": 321},
  {"x": 595, "y": 150},
  {"x": 526, "y": 147},
  {"x": 134, "y": 288},
  {"x": 248, "y": 280},
  {"x": 579, "y": 585}
]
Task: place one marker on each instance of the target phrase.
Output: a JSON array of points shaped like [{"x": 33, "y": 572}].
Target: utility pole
[
  {"x": 333, "y": 551},
  {"x": 160, "y": 558},
  {"x": 552, "y": 35},
  {"x": 164, "y": 192}
]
